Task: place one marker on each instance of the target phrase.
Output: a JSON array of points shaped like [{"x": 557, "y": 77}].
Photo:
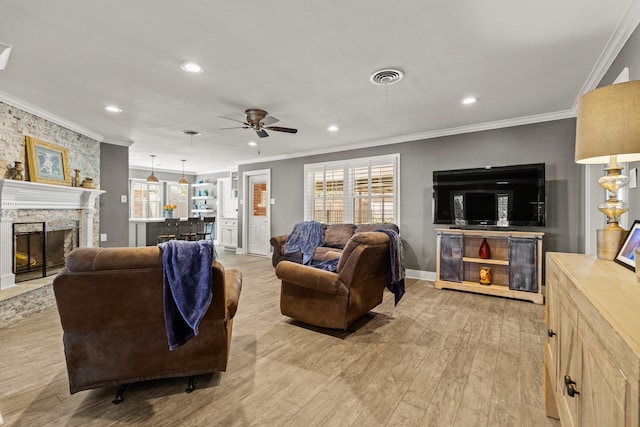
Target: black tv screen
[{"x": 494, "y": 195}]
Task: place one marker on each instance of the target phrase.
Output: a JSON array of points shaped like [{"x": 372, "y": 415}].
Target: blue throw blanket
[
  {"x": 331, "y": 265},
  {"x": 305, "y": 237},
  {"x": 187, "y": 287},
  {"x": 395, "y": 279}
]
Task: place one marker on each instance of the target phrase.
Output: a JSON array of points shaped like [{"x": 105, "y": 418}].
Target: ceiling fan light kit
[{"x": 260, "y": 121}]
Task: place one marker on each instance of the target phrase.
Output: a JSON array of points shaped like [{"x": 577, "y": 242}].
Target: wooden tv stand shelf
[{"x": 515, "y": 262}]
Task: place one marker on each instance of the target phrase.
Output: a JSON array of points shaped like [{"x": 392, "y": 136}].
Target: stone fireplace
[{"x": 24, "y": 202}]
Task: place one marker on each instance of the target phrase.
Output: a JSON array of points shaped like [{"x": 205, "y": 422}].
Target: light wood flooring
[{"x": 440, "y": 358}]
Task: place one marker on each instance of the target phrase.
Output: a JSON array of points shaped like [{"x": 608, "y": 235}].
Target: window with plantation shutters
[
  {"x": 178, "y": 194},
  {"x": 358, "y": 191},
  {"x": 146, "y": 199}
]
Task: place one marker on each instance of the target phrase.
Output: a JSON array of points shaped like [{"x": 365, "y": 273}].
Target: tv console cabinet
[{"x": 515, "y": 262}]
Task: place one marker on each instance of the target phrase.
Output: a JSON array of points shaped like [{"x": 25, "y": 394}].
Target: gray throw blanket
[
  {"x": 305, "y": 237},
  {"x": 187, "y": 287},
  {"x": 395, "y": 279}
]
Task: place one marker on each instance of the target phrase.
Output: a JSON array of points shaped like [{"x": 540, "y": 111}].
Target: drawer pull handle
[
  {"x": 550, "y": 333},
  {"x": 570, "y": 384}
]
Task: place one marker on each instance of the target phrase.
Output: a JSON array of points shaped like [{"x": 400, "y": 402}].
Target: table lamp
[{"x": 608, "y": 131}]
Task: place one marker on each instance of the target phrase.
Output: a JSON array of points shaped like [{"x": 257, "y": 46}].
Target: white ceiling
[{"x": 306, "y": 63}]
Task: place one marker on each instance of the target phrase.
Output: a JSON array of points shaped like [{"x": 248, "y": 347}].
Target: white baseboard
[{"x": 420, "y": 274}]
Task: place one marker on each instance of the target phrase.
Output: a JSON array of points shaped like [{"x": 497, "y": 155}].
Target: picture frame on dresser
[
  {"x": 625, "y": 255},
  {"x": 47, "y": 163}
]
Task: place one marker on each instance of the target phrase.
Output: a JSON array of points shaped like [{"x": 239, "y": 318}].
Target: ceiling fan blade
[
  {"x": 236, "y": 127},
  {"x": 281, "y": 129},
  {"x": 239, "y": 121},
  {"x": 269, "y": 120},
  {"x": 262, "y": 133}
]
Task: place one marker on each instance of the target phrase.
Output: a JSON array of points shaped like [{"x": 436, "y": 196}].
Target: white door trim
[{"x": 244, "y": 202}]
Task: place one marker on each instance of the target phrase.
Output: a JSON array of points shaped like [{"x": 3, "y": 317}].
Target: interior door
[{"x": 258, "y": 225}]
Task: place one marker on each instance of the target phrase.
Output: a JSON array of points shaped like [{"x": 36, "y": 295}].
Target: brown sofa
[
  {"x": 337, "y": 299},
  {"x": 336, "y": 237},
  {"x": 110, "y": 302}
]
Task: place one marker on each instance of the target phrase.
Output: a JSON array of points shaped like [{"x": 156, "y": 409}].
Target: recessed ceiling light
[
  {"x": 469, "y": 100},
  {"x": 252, "y": 143},
  {"x": 191, "y": 67},
  {"x": 332, "y": 128},
  {"x": 113, "y": 109}
]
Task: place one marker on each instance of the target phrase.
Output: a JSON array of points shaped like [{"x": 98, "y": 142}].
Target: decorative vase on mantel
[
  {"x": 168, "y": 214},
  {"x": 16, "y": 172},
  {"x": 485, "y": 251}
]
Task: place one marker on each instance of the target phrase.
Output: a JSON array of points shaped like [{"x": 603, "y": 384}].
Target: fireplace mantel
[{"x": 31, "y": 195}]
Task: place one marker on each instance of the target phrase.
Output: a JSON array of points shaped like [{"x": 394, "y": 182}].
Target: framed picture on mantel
[
  {"x": 626, "y": 256},
  {"x": 47, "y": 163}
]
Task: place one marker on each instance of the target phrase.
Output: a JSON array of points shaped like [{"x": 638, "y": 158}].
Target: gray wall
[
  {"x": 629, "y": 56},
  {"x": 551, "y": 143},
  {"x": 114, "y": 215}
]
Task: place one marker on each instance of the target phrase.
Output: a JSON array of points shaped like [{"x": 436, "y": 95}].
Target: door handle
[
  {"x": 550, "y": 333},
  {"x": 570, "y": 385}
]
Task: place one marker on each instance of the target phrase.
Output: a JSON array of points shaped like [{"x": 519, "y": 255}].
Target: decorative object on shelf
[
  {"x": 206, "y": 193},
  {"x": 183, "y": 180},
  {"x": 626, "y": 256},
  {"x": 485, "y": 251},
  {"x": 16, "y": 171},
  {"x": 88, "y": 183},
  {"x": 76, "y": 178},
  {"x": 47, "y": 163},
  {"x": 607, "y": 131},
  {"x": 485, "y": 275},
  {"x": 152, "y": 177},
  {"x": 168, "y": 210}
]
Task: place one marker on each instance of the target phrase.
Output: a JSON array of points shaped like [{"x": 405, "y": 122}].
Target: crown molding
[
  {"x": 499, "y": 124},
  {"x": 114, "y": 141},
  {"x": 618, "y": 39},
  {"x": 39, "y": 112}
]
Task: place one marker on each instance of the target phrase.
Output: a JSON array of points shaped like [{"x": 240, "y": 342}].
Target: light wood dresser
[{"x": 592, "y": 355}]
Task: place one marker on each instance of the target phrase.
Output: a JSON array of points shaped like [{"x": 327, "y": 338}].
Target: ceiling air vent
[{"x": 386, "y": 77}]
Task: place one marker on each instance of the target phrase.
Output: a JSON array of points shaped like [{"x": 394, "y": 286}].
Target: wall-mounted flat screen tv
[{"x": 493, "y": 195}]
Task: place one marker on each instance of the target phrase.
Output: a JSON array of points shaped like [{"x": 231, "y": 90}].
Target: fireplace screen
[{"x": 41, "y": 248}]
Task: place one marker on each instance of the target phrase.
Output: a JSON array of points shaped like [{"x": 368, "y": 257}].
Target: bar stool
[
  {"x": 206, "y": 228},
  {"x": 192, "y": 223},
  {"x": 172, "y": 229}
]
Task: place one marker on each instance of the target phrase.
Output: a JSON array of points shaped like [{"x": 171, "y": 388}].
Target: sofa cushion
[
  {"x": 363, "y": 228},
  {"x": 320, "y": 252},
  {"x": 337, "y": 235}
]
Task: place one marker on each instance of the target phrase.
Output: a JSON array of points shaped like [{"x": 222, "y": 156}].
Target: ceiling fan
[{"x": 260, "y": 121}]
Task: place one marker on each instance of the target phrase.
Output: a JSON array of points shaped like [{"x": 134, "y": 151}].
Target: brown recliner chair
[
  {"x": 337, "y": 299},
  {"x": 110, "y": 302}
]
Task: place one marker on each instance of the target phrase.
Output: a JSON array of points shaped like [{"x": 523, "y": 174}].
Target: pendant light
[
  {"x": 183, "y": 180},
  {"x": 152, "y": 177}
]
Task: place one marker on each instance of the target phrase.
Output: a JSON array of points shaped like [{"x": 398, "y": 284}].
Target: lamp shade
[{"x": 609, "y": 124}]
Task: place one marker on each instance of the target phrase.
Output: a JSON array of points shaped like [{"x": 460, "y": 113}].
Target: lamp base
[{"x": 609, "y": 243}]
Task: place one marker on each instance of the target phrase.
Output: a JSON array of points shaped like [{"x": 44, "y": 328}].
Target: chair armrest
[
  {"x": 311, "y": 278},
  {"x": 278, "y": 248},
  {"x": 277, "y": 241},
  {"x": 233, "y": 286}
]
